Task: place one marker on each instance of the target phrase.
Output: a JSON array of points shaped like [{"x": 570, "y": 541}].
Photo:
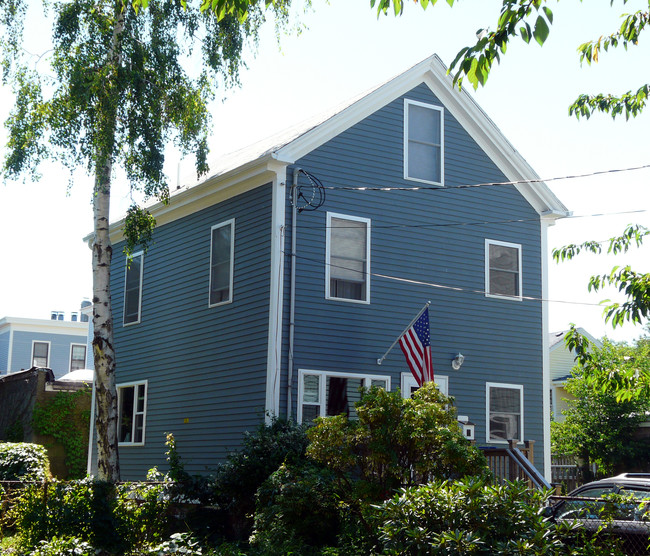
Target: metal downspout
[{"x": 292, "y": 287}]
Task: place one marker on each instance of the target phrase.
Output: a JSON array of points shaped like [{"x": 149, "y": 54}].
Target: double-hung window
[
  {"x": 323, "y": 394},
  {"x": 222, "y": 251},
  {"x": 423, "y": 142},
  {"x": 40, "y": 354},
  {"x": 347, "y": 272},
  {"x": 132, "y": 408},
  {"x": 77, "y": 357},
  {"x": 502, "y": 269},
  {"x": 505, "y": 412},
  {"x": 133, "y": 288}
]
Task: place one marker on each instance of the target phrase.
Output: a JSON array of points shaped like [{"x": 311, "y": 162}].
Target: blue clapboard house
[
  {"x": 273, "y": 286},
  {"x": 58, "y": 344}
]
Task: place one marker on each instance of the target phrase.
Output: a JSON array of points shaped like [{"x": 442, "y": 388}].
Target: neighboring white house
[{"x": 561, "y": 361}]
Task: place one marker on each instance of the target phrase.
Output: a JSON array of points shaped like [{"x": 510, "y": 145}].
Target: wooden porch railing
[{"x": 512, "y": 463}]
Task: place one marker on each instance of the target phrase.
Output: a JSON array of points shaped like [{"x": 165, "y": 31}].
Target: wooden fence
[{"x": 564, "y": 471}]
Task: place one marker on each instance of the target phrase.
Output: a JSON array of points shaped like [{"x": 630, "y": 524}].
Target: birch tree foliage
[
  {"x": 531, "y": 21},
  {"x": 113, "y": 92}
]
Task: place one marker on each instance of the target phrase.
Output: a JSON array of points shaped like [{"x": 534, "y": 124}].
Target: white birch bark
[{"x": 108, "y": 465}]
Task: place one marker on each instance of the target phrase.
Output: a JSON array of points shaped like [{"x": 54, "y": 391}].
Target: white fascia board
[
  {"x": 461, "y": 105},
  {"x": 45, "y": 326},
  {"x": 488, "y": 136},
  {"x": 212, "y": 191},
  {"x": 562, "y": 346},
  {"x": 356, "y": 112}
]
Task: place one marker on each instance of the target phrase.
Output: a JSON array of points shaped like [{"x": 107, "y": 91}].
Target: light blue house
[
  {"x": 248, "y": 304},
  {"x": 57, "y": 344}
]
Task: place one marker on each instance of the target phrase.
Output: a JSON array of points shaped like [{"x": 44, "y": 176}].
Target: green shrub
[
  {"x": 109, "y": 517},
  {"x": 143, "y": 512},
  {"x": 23, "y": 462},
  {"x": 395, "y": 442},
  {"x": 178, "y": 543},
  {"x": 63, "y": 547},
  {"x": 55, "y": 509},
  {"x": 237, "y": 479},
  {"x": 297, "y": 511},
  {"x": 472, "y": 516}
]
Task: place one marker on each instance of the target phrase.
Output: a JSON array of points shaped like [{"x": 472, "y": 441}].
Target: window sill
[
  {"x": 346, "y": 300},
  {"x": 505, "y": 297},
  {"x": 420, "y": 180}
]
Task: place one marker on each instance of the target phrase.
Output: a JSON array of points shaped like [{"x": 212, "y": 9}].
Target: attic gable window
[
  {"x": 133, "y": 289},
  {"x": 502, "y": 269},
  {"x": 347, "y": 272},
  {"x": 423, "y": 142},
  {"x": 222, "y": 247}
]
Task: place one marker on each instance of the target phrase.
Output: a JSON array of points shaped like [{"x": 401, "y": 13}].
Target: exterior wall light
[{"x": 457, "y": 361}]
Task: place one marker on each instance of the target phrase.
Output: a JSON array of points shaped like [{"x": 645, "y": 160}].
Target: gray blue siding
[
  {"x": 435, "y": 236},
  {"x": 59, "y": 356},
  {"x": 4, "y": 352},
  {"x": 206, "y": 367}
]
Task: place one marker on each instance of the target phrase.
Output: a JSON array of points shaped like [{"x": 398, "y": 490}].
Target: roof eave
[{"x": 192, "y": 198}]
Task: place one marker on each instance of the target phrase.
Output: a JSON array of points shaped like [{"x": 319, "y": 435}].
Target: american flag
[{"x": 416, "y": 345}]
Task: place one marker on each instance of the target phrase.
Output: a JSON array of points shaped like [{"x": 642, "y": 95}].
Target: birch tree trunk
[{"x": 108, "y": 464}]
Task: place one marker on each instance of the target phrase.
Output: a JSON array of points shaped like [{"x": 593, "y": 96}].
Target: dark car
[{"x": 614, "y": 506}]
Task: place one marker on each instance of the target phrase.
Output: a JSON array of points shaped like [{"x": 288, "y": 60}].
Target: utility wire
[
  {"x": 441, "y": 286},
  {"x": 473, "y": 223},
  {"x": 487, "y": 184}
]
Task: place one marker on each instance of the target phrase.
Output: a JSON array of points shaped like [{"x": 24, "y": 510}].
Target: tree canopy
[
  {"x": 116, "y": 92},
  {"x": 600, "y": 425},
  {"x": 531, "y": 21}
]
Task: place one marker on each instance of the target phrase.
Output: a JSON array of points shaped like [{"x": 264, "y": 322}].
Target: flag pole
[{"x": 381, "y": 359}]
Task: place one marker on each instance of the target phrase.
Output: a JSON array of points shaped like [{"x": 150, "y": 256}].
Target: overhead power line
[
  {"x": 441, "y": 286},
  {"x": 487, "y": 184},
  {"x": 475, "y": 222}
]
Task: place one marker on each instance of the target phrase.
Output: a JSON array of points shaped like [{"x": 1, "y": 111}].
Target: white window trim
[
  {"x": 407, "y": 103},
  {"x": 322, "y": 384},
  {"x": 519, "y": 387},
  {"x": 135, "y": 385},
  {"x": 230, "y": 223},
  {"x": 408, "y": 381},
  {"x": 72, "y": 346},
  {"x": 49, "y": 353},
  {"x": 126, "y": 269},
  {"x": 367, "y": 221},
  {"x": 517, "y": 246}
]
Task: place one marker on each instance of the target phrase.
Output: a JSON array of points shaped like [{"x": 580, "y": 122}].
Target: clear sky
[{"x": 343, "y": 51}]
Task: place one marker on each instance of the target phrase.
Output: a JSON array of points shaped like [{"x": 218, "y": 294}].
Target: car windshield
[
  {"x": 606, "y": 509},
  {"x": 636, "y": 492},
  {"x": 584, "y": 509}
]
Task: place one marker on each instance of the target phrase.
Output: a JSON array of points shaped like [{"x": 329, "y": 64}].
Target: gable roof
[
  {"x": 556, "y": 339},
  {"x": 288, "y": 146}
]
